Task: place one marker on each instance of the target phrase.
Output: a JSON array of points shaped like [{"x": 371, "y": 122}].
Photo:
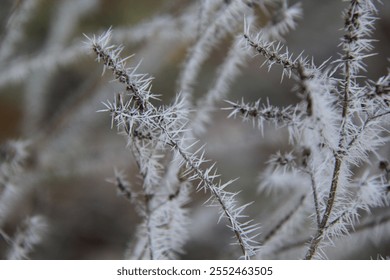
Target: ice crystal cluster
[{"x": 327, "y": 184}]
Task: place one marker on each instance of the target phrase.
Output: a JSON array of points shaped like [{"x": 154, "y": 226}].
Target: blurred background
[{"x": 51, "y": 89}]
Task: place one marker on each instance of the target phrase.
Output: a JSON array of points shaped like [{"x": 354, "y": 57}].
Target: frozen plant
[
  {"x": 338, "y": 124},
  {"x": 149, "y": 131},
  {"x": 307, "y": 179},
  {"x": 335, "y": 131}
]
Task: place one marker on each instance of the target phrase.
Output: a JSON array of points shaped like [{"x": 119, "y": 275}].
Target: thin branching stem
[
  {"x": 284, "y": 220},
  {"x": 329, "y": 206},
  {"x": 140, "y": 92}
]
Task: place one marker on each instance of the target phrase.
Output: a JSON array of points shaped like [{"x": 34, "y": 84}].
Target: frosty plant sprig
[
  {"x": 149, "y": 129},
  {"x": 337, "y": 126},
  {"x": 322, "y": 159}
]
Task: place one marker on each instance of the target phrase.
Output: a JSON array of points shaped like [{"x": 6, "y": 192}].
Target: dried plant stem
[
  {"x": 284, "y": 220},
  {"x": 350, "y": 62},
  {"x": 214, "y": 191},
  {"x": 315, "y": 198},
  {"x": 316, "y": 240},
  {"x": 374, "y": 222},
  {"x": 329, "y": 206}
]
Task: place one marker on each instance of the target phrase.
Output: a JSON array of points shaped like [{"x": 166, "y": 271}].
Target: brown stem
[{"x": 329, "y": 206}]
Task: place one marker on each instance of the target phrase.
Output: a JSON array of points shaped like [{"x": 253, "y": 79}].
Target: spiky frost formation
[
  {"x": 337, "y": 125},
  {"x": 259, "y": 114},
  {"x": 149, "y": 129}
]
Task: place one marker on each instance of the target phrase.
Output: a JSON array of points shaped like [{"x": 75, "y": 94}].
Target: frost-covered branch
[
  {"x": 161, "y": 127},
  {"x": 337, "y": 120}
]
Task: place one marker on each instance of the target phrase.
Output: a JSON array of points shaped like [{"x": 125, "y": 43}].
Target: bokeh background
[{"x": 73, "y": 150}]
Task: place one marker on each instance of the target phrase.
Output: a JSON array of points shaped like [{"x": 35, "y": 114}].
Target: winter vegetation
[{"x": 208, "y": 129}]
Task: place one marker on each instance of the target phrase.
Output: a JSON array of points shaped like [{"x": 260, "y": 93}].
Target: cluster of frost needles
[{"x": 322, "y": 193}]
